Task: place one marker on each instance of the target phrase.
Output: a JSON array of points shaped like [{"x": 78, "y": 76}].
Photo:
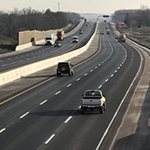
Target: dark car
[
  {"x": 65, "y": 68},
  {"x": 80, "y": 31},
  {"x": 57, "y": 44}
]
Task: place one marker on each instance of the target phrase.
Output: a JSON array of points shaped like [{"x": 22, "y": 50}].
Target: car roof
[
  {"x": 64, "y": 62},
  {"x": 93, "y": 90},
  {"x": 75, "y": 37}
]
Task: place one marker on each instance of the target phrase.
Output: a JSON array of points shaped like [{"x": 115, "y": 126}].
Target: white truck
[
  {"x": 50, "y": 38},
  {"x": 122, "y": 38},
  {"x": 93, "y": 99}
]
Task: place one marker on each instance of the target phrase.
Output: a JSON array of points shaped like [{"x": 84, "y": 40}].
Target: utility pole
[{"x": 58, "y": 7}]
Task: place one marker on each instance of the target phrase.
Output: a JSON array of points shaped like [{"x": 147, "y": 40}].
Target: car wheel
[
  {"x": 58, "y": 74},
  {"x": 82, "y": 110},
  {"x": 101, "y": 110},
  {"x": 70, "y": 73},
  {"x": 105, "y": 107}
]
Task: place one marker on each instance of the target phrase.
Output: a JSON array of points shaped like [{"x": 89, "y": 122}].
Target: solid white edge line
[
  {"x": 2, "y": 130},
  {"x": 50, "y": 139},
  {"x": 24, "y": 115},
  {"x": 105, "y": 133},
  {"x": 128, "y": 107},
  {"x": 67, "y": 120},
  {"x": 43, "y": 102}
]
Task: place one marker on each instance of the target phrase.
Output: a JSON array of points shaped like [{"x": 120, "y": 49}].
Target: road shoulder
[{"x": 134, "y": 131}]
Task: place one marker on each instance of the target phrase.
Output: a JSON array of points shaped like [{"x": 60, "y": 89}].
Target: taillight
[
  {"x": 100, "y": 102},
  {"x": 81, "y": 101}
]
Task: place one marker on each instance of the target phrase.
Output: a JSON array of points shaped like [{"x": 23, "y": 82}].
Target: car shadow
[{"x": 39, "y": 76}]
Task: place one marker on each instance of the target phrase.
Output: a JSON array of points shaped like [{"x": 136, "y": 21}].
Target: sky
[{"x": 78, "y": 6}]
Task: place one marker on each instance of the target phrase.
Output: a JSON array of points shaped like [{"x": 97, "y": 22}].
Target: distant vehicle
[
  {"x": 102, "y": 32},
  {"x": 108, "y": 32},
  {"x": 50, "y": 38},
  {"x": 57, "y": 44},
  {"x": 116, "y": 36},
  {"x": 75, "y": 39},
  {"x": 65, "y": 68},
  {"x": 93, "y": 99},
  {"x": 60, "y": 35},
  {"x": 122, "y": 38},
  {"x": 80, "y": 31}
]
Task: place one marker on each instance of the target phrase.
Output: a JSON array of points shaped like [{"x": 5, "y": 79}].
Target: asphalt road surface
[
  {"x": 43, "y": 52},
  {"x": 49, "y": 117}
]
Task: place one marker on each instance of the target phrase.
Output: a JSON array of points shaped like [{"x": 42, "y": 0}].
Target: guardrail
[{"x": 17, "y": 73}]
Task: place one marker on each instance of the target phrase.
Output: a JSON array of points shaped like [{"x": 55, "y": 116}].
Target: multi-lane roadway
[
  {"x": 49, "y": 117},
  {"x": 43, "y": 52}
]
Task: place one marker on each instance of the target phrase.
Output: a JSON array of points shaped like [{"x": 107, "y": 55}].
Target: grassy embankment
[{"x": 141, "y": 35}]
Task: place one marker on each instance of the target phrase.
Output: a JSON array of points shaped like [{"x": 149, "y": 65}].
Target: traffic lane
[
  {"x": 22, "y": 105},
  {"x": 10, "y": 62},
  {"x": 8, "y": 116},
  {"x": 127, "y": 76},
  {"x": 102, "y": 57},
  {"x": 86, "y": 131},
  {"x": 53, "y": 112},
  {"x": 57, "y": 102}
]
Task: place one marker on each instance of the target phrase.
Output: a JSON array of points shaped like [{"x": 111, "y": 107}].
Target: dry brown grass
[{"x": 141, "y": 35}]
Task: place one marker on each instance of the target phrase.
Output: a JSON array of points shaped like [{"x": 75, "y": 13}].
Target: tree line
[
  {"x": 30, "y": 19},
  {"x": 134, "y": 18}
]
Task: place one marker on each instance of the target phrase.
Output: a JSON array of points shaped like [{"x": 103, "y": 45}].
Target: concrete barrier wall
[
  {"x": 14, "y": 74},
  {"x": 30, "y": 38},
  {"x": 34, "y": 35}
]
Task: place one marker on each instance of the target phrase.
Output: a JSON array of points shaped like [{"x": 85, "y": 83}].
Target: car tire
[
  {"x": 105, "y": 107},
  {"x": 101, "y": 110},
  {"x": 82, "y": 110},
  {"x": 63, "y": 68},
  {"x": 58, "y": 74}
]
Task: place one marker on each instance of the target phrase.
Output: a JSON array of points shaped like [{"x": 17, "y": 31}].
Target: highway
[
  {"x": 43, "y": 52},
  {"x": 49, "y": 117}
]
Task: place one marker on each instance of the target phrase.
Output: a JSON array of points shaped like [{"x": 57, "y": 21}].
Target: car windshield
[
  {"x": 92, "y": 93},
  {"x": 63, "y": 65},
  {"x": 48, "y": 38}
]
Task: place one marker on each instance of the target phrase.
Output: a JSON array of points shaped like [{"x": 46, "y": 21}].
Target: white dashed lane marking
[
  {"x": 43, "y": 102},
  {"x": 50, "y": 139},
  {"x": 69, "y": 85},
  {"x": 24, "y": 115},
  {"x": 57, "y": 92},
  {"x": 78, "y": 79},
  {"x": 2, "y": 130}
]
